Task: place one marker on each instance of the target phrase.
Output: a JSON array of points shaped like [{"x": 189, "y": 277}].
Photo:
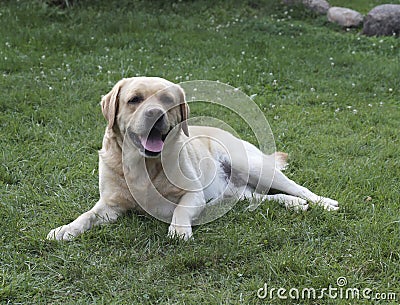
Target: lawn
[{"x": 332, "y": 98}]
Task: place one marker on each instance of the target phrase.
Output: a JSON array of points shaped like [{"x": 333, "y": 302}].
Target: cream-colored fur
[{"x": 197, "y": 164}]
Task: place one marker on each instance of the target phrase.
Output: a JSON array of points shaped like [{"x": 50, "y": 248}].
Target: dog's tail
[{"x": 281, "y": 160}]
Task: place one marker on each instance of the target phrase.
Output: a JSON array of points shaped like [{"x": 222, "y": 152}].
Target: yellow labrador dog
[{"x": 152, "y": 161}]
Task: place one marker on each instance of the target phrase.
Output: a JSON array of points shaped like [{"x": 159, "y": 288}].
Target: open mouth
[{"x": 152, "y": 144}]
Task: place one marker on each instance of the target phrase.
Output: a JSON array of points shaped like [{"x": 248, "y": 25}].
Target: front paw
[
  {"x": 328, "y": 204},
  {"x": 62, "y": 233},
  {"x": 180, "y": 232}
]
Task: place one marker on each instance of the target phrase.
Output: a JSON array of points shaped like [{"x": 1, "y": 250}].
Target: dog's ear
[
  {"x": 184, "y": 112},
  {"x": 109, "y": 104}
]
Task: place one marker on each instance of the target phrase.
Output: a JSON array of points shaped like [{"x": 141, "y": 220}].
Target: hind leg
[
  {"x": 289, "y": 202},
  {"x": 265, "y": 172},
  {"x": 284, "y": 184}
]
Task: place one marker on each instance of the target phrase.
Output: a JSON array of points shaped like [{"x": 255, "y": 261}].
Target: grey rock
[
  {"x": 383, "y": 20},
  {"x": 318, "y": 6},
  {"x": 345, "y": 17}
]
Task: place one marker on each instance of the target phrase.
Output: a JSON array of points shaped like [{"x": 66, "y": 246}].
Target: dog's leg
[
  {"x": 290, "y": 202},
  {"x": 281, "y": 183},
  {"x": 189, "y": 207},
  {"x": 101, "y": 213},
  {"x": 264, "y": 171}
]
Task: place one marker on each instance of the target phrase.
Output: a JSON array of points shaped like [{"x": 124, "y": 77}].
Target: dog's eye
[
  {"x": 136, "y": 99},
  {"x": 166, "y": 99}
]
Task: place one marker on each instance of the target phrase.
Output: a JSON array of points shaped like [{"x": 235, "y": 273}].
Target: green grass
[{"x": 335, "y": 109}]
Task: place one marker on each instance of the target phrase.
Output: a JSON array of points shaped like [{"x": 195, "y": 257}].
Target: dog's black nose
[
  {"x": 154, "y": 113},
  {"x": 155, "y": 118}
]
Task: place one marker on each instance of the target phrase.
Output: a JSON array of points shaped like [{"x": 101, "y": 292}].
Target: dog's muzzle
[{"x": 151, "y": 143}]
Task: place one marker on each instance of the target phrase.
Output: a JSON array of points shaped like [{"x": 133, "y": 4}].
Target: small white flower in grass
[
  {"x": 380, "y": 41},
  {"x": 100, "y": 68},
  {"x": 380, "y": 103},
  {"x": 274, "y": 83},
  {"x": 243, "y": 52},
  {"x": 337, "y": 109},
  {"x": 353, "y": 52},
  {"x": 312, "y": 89},
  {"x": 276, "y": 117},
  {"x": 335, "y": 94},
  {"x": 50, "y": 88},
  {"x": 332, "y": 64},
  {"x": 283, "y": 47},
  {"x": 270, "y": 74},
  {"x": 374, "y": 44},
  {"x": 330, "y": 58},
  {"x": 349, "y": 107},
  {"x": 390, "y": 90},
  {"x": 369, "y": 105},
  {"x": 353, "y": 85},
  {"x": 43, "y": 57},
  {"x": 355, "y": 111}
]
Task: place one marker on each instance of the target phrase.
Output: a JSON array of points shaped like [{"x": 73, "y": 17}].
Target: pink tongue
[{"x": 153, "y": 144}]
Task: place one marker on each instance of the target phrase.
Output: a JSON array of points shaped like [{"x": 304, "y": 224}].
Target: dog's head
[{"x": 147, "y": 109}]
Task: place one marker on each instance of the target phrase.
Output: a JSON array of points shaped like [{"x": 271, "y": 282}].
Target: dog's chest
[{"x": 159, "y": 179}]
